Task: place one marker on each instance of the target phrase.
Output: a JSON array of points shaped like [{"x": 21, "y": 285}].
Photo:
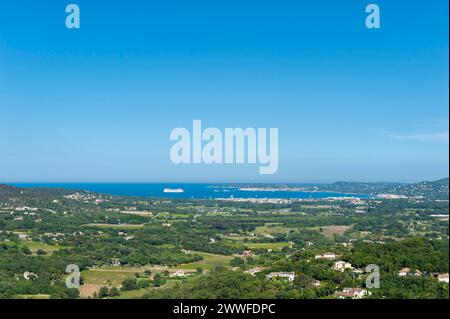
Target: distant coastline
[
  {"x": 436, "y": 190},
  {"x": 194, "y": 190}
]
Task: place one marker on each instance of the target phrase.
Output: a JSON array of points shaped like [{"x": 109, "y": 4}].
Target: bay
[{"x": 191, "y": 190}]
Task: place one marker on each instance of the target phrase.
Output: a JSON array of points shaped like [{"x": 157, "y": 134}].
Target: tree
[
  {"x": 129, "y": 284},
  {"x": 103, "y": 292},
  {"x": 147, "y": 272},
  {"x": 25, "y": 250},
  {"x": 114, "y": 292},
  {"x": 302, "y": 281},
  {"x": 158, "y": 280},
  {"x": 237, "y": 262},
  {"x": 144, "y": 283}
]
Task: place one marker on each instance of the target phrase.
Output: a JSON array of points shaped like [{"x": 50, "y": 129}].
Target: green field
[
  {"x": 137, "y": 294},
  {"x": 114, "y": 276},
  {"x": 273, "y": 246},
  {"x": 115, "y": 226},
  {"x": 209, "y": 261},
  {"x": 272, "y": 229},
  {"x": 331, "y": 230},
  {"x": 238, "y": 238},
  {"x": 35, "y": 246},
  {"x": 108, "y": 277},
  {"x": 168, "y": 246},
  {"x": 7, "y": 243}
]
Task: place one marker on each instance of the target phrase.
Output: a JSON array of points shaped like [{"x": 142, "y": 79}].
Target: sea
[{"x": 191, "y": 190}]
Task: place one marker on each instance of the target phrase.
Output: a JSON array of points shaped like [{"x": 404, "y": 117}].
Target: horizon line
[{"x": 218, "y": 182}]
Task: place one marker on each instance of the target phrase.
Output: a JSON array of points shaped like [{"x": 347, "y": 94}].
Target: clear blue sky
[{"x": 98, "y": 104}]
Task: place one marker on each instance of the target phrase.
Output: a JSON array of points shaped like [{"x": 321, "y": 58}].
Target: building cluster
[
  {"x": 259, "y": 200},
  {"x": 288, "y": 276},
  {"x": 404, "y": 272},
  {"x": 352, "y": 293}
]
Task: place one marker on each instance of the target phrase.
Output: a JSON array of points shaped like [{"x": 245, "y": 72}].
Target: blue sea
[{"x": 192, "y": 190}]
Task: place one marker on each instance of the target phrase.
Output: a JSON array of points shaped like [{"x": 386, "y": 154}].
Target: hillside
[
  {"x": 428, "y": 189},
  {"x": 7, "y": 191}
]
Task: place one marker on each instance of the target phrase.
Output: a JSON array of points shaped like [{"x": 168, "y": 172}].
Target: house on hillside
[
  {"x": 289, "y": 276},
  {"x": 341, "y": 265},
  {"x": 179, "y": 274},
  {"x": 23, "y": 236},
  {"x": 407, "y": 272},
  {"x": 28, "y": 275},
  {"x": 352, "y": 293},
  {"x": 254, "y": 271},
  {"x": 442, "y": 278},
  {"x": 115, "y": 262}
]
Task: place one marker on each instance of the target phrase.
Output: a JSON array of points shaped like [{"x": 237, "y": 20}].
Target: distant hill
[
  {"x": 435, "y": 189},
  {"x": 7, "y": 191},
  {"x": 428, "y": 189},
  {"x": 442, "y": 181}
]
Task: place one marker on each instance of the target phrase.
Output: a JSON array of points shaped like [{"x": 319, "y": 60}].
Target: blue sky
[{"x": 98, "y": 104}]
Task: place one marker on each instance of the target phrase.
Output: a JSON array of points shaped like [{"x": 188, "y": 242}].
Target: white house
[
  {"x": 30, "y": 275},
  {"x": 23, "y": 236},
  {"x": 443, "y": 278},
  {"x": 407, "y": 272},
  {"x": 289, "y": 276},
  {"x": 353, "y": 293},
  {"x": 115, "y": 262},
  {"x": 178, "y": 273},
  {"x": 254, "y": 270},
  {"x": 403, "y": 272},
  {"x": 341, "y": 265}
]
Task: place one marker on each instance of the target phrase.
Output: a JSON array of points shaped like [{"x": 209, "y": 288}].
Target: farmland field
[
  {"x": 330, "y": 231},
  {"x": 209, "y": 261},
  {"x": 115, "y": 226},
  {"x": 273, "y": 246}
]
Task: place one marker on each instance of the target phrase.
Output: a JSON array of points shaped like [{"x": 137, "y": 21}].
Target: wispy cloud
[{"x": 425, "y": 137}]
